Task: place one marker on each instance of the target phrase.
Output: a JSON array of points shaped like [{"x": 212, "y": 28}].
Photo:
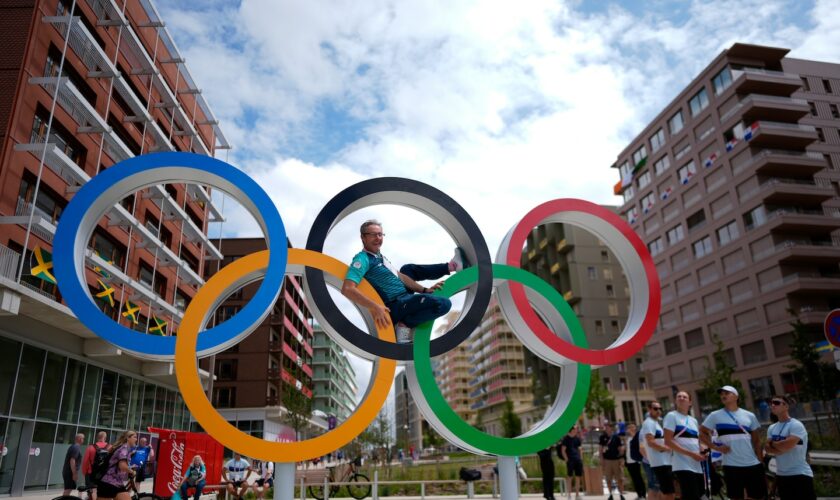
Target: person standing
[
  {"x": 569, "y": 452},
  {"x": 657, "y": 453},
  {"x": 547, "y": 469},
  {"x": 141, "y": 455},
  {"x": 612, "y": 449},
  {"x": 633, "y": 460},
  {"x": 72, "y": 464},
  {"x": 682, "y": 436},
  {"x": 740, "y": 444},
  {"x": 114, "y": 484},
  {"x": 87, "y": 462},
  {"x": 787, "y": 440}
]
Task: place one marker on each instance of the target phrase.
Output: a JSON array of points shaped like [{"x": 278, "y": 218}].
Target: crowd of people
[
  {"x": 112, "y": 471},
  {"x": 676, "y": 453}
]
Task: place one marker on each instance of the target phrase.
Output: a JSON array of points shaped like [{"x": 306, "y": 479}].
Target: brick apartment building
[
  {"x": 84, "y": 85},
  {"x": 734, "y": 188}
]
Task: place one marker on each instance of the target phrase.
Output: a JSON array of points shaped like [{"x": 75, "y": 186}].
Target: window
[
  {"x": 675, "y": 234},
  {"x": 826, "y": 86},
  {"x": 755, "y": 217},
  {"x": 605, "y": 256},
  {"x": 643, "y": 383},
  {"x": 657, "y": 140},
  {"x": 621, "y": 367},
  {"x": 662, "y": 165},
  {"x": 629, "y": 193},
  {"x": 647, "y": 202},
  {"x": 48, "y": 204},
  {"x": 699, "y": 102},
  {"x": 686, "y": 172},
  {"x": 592, "y": 273},
  {"x": 614, "y": 326},
  {"x": 820, "y": 134},
  {"x": 599, "y": 327},
  {"x": 682, "y": 150},
  {"x": 59, "y": 136},
  {"x": 813, "y": 108},
  {"x": 622, "y": 384},
  {"x": 754, "y": 352},
  {"x": 610, "y": 291},
  {"x": 656, "y": 246},
  {"x": 693, "y": 338},
  {"x": 181, "y": 300},
  {"x": 835, "y": 112},
  {"x": 608, "y": 274},
  {"x": 672, "y": 345},
  {"x": 107, "y": 248},
  {"x": 607, "y": 383},
  {"x": 675, "y": 124},
  {"x": 722, "y": 80},
  {"x": 625, "y": 169},
  {"x": 224, "y": 397},
  {"x": 226, "y": 369},
  {"x": 644, "y": 179},
  {"x": 805, "y": 85},
  {"x": 612, "y": 307},
  {"x": 727, "y": 233},
  {"x": 639, "y": 156},
  {"x": 696, "y": 220},
  {"x": 702, "y": 247}
]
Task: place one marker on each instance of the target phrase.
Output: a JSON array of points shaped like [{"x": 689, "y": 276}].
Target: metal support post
[
  {"x": 508, "y": 478},
  {"x": 284, "y": 481}
]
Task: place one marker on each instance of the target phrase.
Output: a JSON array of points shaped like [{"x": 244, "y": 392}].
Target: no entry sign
[{"x": 832, "y": 328}]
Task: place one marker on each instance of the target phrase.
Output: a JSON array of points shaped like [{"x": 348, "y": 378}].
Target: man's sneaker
[
  {"x": 404, "y": 334},
  {"x": 459, "y": 261}
]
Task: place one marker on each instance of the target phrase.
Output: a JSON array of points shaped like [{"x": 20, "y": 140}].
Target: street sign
[{"x": 831, "y": 327}]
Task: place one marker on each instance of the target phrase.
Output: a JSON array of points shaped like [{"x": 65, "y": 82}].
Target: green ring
[{"x": 470, "y": 435}]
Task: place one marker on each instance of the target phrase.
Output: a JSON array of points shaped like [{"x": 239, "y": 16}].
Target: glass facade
[{"x": 46, "y": 398}]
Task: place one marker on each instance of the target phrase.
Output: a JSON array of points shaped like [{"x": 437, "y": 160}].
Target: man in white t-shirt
[
  {"x": 656, "y": 452},
  {"x": 682, "y": 436},
  {"x": 787, "y": 439},
  {"x": 265, "y": 478},
  {"x": 235, "y": 474},
  {"x": 740, "y": 444}
]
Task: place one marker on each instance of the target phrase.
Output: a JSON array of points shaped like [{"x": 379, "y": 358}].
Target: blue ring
[{"x": 79, "y": 300}]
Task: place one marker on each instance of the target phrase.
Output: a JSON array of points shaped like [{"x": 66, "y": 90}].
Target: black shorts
[
  {"x": 665, "y": 478},
  {"x": 236, "y": 484},
  {"x": 574, "y": 467},
  {"x": 140, "y": 473},
  {"x": 750, "y": 478},
  {"x": 799, "y": 487},
  {"x": 692, "y": 485},
  {"x": 69, "y": 483},
  {"x": 89, "y": 482},
  {"x": 262, "y": 482},
  {"x": 108, "y": 490}
]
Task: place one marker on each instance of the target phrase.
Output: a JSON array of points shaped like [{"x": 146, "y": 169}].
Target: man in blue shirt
[
  {"x": 140, "y": 456},
  {"x": 740, "y": 444},
  {"x": 407, "y": 302},
  {"x": 787, "y": 439}
]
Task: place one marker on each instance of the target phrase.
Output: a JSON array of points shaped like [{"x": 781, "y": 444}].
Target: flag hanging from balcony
[
  {"x": 687, "y": 177},
  {"x": 43, "y": 267},
  {"x": 665, "y": 194},
  {"x": 749, "y": 133},
  {"x": 159, "y": 327},
  {"x": 106, "y": 294},
  {"x": 731, "y": 144},
  {"x": 633, "y": 216},
  {"x": 131, "y": 311},
  {"x": 647, "y": 207},
  {"x": 711, "y": 159},
  {"x": 98, "y": 270}
]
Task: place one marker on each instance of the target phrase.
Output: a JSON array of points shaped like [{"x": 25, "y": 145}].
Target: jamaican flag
[
  {"x": 98, "y": 270},
  {"x": 160, "y": 326},
  {"x": 106, "y": 293},
  {"x": 131, "y": 311},
  {"x": 43, "y": 267}
]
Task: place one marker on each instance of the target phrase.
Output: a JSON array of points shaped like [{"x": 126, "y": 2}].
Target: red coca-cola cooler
[{"x": 174, "y": 454}]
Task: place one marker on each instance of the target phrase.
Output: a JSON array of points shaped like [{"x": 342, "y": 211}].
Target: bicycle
[{"x": 349, "y": 475}]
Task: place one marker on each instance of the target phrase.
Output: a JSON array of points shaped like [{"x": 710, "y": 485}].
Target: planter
[{"x": 593, "y": 480}]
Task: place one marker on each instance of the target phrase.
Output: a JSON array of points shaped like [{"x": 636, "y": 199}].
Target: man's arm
[
  {"x": 706, "y": 438},
  {"x": 411, "y": 284},
  {"x": 224, "y": 475},
  {"x": 783, "y": 446},
  {"x": 381, "y": 314},
  {"x": 650, "y": 441},
  {"x": 756, "y": 443},
  {"x": 151, "y": 454},
  {"x": 73, "y": 468},
  {"x": 670, "y": 442}
]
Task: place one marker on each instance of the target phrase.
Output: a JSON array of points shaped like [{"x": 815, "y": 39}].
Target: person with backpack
[
  {"x": 740, "y": 444},
  {"x": 194, "y": 477},
  {"x": 99, "y": 448},
  {"x": 682, "y": 436},
  {"x": 265, "y": 478},
  {"x": 116, "y": 475},
  {"x": 633, "y": 461},
  {"x": 787, "y": 440}
]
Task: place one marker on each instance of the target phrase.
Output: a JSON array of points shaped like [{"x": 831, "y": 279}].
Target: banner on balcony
[
  {"x": 106, "y": 293},
  {"x": 159, "y": 327},
  {"x": 43, "y": 266},
  {"x": 131, "y": 311}
]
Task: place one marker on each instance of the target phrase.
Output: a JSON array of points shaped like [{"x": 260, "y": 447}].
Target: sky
[{"x": 502, "y": 105}]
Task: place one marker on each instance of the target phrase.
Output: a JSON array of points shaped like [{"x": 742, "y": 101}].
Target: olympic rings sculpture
[{"x": 538, "y": 315}]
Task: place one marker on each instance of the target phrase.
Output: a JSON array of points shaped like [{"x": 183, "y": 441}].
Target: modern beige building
[
  {"x": 577, "y": 264},
  {"x": 333, "y": 380},
  {"x": 734, "y": 189}
]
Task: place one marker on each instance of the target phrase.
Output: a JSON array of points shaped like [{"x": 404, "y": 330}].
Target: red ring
[{"x": 517, "y": 291}]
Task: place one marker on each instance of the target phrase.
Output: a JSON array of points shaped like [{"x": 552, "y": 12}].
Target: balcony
[
  {"x": 780, "y": 162},
  {"x": 564, "y": 246},
  {"x": 275, "y": 345},
  {"x": 172, "y": 211},
  {"x": 782, "y": 135},
  {"x": 273, "y": 373},
  {"x": 42, "y": 223},
  {"x": 767, "y": 82},
  {"x": 141, "y": 291},
  {"x": 815, "y": 252},
  {"x": 787, "y": 191},
  {"x": 767, "y": 107},
  {"x": 74, "y": 103},
  {"x": 796, "y": 219},
  {"x": 272, "y": 401},
  {"x": 806, "y": 282}
]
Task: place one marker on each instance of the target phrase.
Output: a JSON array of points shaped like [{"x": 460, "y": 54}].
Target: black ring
[{"x": 437, "y": 205}]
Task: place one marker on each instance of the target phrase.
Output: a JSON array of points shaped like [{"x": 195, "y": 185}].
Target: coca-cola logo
[{"x": 176, "y": 456}]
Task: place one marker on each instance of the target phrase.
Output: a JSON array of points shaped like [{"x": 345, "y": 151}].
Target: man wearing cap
[
  {"x": 787, "y": 439},
  {"x": 740, "y": 444}
]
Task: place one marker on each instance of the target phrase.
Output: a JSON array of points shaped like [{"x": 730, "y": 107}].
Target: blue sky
[{"x": 500, "y": 104}]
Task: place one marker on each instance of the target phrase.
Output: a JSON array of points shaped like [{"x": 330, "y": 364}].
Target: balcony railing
[{"x": 9, "y": 261}]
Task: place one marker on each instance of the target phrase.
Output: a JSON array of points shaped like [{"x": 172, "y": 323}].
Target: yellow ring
[{"x": 214, "y": 424}]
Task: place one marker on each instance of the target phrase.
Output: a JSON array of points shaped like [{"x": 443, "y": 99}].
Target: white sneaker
[
  {"x": 405, "y": 335},
  {"x": 459, "y": 261}
]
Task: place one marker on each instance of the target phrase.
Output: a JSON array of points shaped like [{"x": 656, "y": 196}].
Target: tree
[
  {"x": 511, "y": 423},
  {"x": 719, "y": 374},
  {"x": 298, "y": 409},
  {"x": 816, "y": 380},
  {"x": 600, "y": 401}
]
